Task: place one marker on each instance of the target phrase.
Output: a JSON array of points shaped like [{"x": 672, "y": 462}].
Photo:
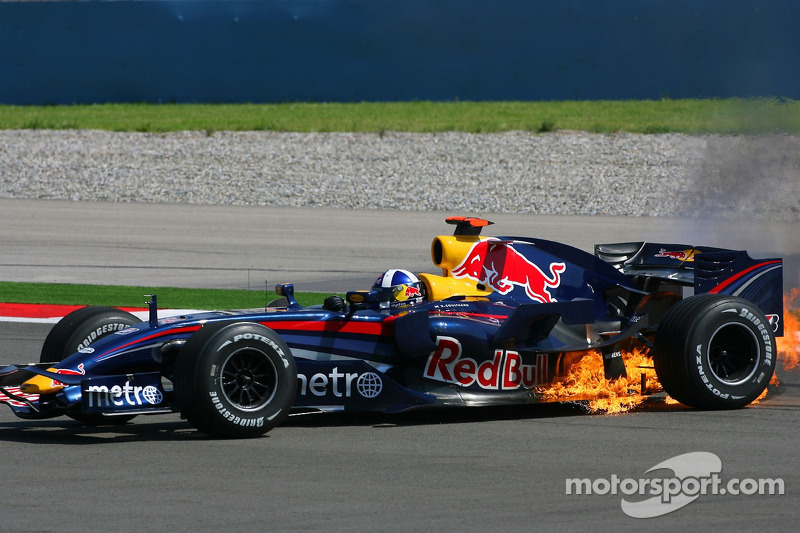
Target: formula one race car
[{"x": 506, "y": 317}]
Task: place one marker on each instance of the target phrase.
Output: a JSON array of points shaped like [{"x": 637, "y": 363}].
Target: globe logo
[
  {"x": 152, "y": 395},
  {"x": 369, "y": 385}
]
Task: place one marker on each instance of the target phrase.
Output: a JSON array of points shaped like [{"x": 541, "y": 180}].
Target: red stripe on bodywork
[
  {"x": 384, "y": 327},
  {"x": 161, "y": 333},
  {"x": 18, "y": 310},
  {"x": 740, "y": 275}
]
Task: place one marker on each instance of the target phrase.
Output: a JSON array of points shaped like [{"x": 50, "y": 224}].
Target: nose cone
[{"x": 41, "y": 385}]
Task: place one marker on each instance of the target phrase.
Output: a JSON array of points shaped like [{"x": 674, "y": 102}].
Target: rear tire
[
  {"x": 235, "y": 380},
  {"x": 78, "y": 330},
  {"x": 715, "y": 351}
]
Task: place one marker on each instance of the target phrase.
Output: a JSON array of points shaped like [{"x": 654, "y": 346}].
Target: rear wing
[
  {"x": 737, "y": 274},
  {"x": 706, "y": 269}
]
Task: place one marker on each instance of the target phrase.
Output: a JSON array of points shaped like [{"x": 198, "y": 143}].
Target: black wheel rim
[
  {"x": 249, "y": 379},
  {"x": 733, "y": 354}
]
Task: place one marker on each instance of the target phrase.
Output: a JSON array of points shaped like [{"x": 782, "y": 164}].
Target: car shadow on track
[
  {"x": 170, "y": 428},
  {"x": 66, "y": 431},
  {"x": 462, "y": 415}
]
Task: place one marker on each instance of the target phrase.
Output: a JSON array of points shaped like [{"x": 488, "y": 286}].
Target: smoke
[
  {"x": 743, "y": 191},
  {"x": 746, "y": 176}
]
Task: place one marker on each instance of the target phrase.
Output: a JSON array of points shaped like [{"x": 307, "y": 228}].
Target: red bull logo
[
  {"x": 497, "y": 264},
  {"x": 404, "y": 293},
  {"x": 680, "y": 255},
  {"x": 68, "y": 372},
  {"x": 413, "y": 292},
  {"x": 40, "y": 384}
]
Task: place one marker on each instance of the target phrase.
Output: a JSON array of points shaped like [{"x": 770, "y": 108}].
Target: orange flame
[
  {"x": 789, "y": 344},
  {"x": 586, "y": 380}
]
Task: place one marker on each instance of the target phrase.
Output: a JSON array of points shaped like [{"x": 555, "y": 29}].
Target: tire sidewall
[
  {"x": 730, "y": 312},
  {"x": 206, "y": 404},
  {"x": 82, "y": 327},
  {"x": 77, "y": 331}
]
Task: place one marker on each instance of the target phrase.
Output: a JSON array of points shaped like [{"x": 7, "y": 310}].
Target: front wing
[{"x": 143, "y": 393}]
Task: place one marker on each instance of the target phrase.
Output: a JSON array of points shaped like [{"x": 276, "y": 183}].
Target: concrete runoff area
[{"x": 472, "y": 469}]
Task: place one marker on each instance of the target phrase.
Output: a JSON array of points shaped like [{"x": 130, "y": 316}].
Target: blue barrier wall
[{"x": 388, "y": 50}]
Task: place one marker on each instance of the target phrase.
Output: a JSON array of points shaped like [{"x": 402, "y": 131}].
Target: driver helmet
[{"x": 398, "y": 288}]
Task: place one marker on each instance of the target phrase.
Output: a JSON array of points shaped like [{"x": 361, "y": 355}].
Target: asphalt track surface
[{"x": 464, "y": 470}]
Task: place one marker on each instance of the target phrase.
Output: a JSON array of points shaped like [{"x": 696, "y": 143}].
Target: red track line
[{"x": 15, "y": 310}]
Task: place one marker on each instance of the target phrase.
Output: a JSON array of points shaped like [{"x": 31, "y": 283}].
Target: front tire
[
  {"x": 715, "y": 351},
  {"x": 82, "y": 327},
  {"x": 78, "y": 330},
  {"x": 235, "y": 380}
]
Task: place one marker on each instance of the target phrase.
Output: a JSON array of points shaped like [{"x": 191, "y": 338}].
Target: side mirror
[
  {"x": 361, "y": 299},
  {"x": 287, "y": 291}
]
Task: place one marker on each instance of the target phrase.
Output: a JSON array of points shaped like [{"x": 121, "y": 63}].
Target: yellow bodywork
[
  {"x": 447, "y": 252},
  {"x": 441, "y": 287},
  {"x": 41, "y": 384}
]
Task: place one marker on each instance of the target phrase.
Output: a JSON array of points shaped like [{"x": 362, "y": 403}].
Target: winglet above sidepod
[{"x": 531, "y": 323}]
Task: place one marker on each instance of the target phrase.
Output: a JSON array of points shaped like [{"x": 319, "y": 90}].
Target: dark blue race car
[{"x": 505, "y": 318}]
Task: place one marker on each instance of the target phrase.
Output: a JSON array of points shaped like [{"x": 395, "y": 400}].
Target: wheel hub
[
  {"x": 244, "y": 379},
  {"x": 248, "y": 379},
  {"x": 733, "y": 354}
]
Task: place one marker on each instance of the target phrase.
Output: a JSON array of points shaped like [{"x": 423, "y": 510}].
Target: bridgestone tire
[
  {"x": 714, "y": 351},
  {"x": 77, "y": 330},
  {"x": 235, "y": 380}
]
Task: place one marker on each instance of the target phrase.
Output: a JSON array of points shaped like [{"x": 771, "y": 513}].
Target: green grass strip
[
  {"x": 122, "y": 296},
  {"x": 728, "y": 116}
]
